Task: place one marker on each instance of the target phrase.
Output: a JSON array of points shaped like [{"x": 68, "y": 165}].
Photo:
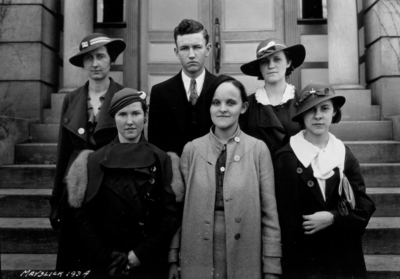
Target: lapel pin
[{"x": 81, "y": 131}]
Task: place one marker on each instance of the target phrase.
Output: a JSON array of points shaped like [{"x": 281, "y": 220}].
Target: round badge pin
[{"x": 81, "y": 131}]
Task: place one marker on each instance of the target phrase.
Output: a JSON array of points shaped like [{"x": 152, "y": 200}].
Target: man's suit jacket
[{"x": 168, "y": 110}]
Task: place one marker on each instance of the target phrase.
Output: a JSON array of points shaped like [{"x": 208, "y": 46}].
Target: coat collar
[{"x": 75, "y": 118}]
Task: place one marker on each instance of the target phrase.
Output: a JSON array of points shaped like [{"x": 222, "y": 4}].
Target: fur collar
[{"x": 77, "y": 179}]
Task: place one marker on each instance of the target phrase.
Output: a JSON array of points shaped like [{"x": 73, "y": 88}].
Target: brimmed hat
[
  {"x": 312, "y": 95},
  {"x": 124, "y": 98},
  {"x": 268, "y": 47},
  {"x": 94, "y": 41}
]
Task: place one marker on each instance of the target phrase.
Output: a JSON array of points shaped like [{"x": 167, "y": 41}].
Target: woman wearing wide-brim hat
[
  {"x": 85, "y": 124},
  {"x": 321, "y": 229},
  {"x": 271, "y": 107}
]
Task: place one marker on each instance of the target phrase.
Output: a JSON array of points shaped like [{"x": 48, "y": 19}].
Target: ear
[
  {"x": 208, "y": 49},
  {"x": 245, "y": 105},
  {"x": 289, "y": 63},
  {"x": 176, "y": 53}
]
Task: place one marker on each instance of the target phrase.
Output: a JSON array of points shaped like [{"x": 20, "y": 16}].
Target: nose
[
  {"x": 317, "y": 114},
  {"x": 223, "y": 109},
  {"x": 271, "y": 64},
  {"x": 191, "y": 53},
  {"x": 129, "y": 120},
  {"x": 95, "y": 62}
]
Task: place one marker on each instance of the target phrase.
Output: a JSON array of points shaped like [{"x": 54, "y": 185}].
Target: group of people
[{"x": 251, "y": 187}]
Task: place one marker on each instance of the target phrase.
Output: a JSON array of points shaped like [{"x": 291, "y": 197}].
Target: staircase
[{"x": 28, "y": 242}]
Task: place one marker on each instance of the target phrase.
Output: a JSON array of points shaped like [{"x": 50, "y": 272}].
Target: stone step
[
  {"x": 27, "y": 236},
  {"x": 25, "y": 202},
  {"x": 35, "y": 235},
  {"x": 27, "y": 176},
  {"x": 361, "y": 113},
  {"x": 363, "y": 130},
  {"x": 381, "y": 175},
  {"x": 355, "y": 97},
  {"x": 375, "y": 151},
  {"x": 387, "y": 201},
  {"x": 44, "y": 133},
  {"x": 51, "y": 116},
  {"x": 57, "y": 100},
  {"x": 383, "y": 266},
  {"x": 382, "y": 236},
  {"x": 36, "y": 153}
]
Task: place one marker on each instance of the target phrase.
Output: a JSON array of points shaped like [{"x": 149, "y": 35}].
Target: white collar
[
  {"x": 262, "y": 96},
  {"x": 199, "y": 82},
  {"x": 323, "y": 161}
]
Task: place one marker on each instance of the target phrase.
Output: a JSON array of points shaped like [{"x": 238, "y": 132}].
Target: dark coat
[
  {"x": 129, "y": 205},
  {"x": 71, "y": 141},
  {"x": 271, "y": 124},
  {"x": 336, "y": 250},
  {"x": 170, "y": 123}
]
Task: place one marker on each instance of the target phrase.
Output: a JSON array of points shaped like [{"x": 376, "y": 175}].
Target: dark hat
[
  {"x": 314, "y": 94},
  {"x": 268, "y": 47},
  {"x": 94, "y": 41},
  {"x": 124, "y": 98}
]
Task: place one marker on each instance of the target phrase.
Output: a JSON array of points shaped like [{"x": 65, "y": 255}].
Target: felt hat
[
  {"x": 268, "y": 47},
  {"x": 124, "y": 98},
  {"x": 314, "y": 94},
  {"x": 94, "y": 41}
]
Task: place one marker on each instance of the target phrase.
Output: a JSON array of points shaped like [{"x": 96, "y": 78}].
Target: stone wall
[
  {"x": 382, "y": 41},
  {"x": 29, "y": 46}
]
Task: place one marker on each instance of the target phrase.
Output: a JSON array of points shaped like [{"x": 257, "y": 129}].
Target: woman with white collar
[
  {"x": 271, "y": 107},
  {"x": 321, "y": 232}
]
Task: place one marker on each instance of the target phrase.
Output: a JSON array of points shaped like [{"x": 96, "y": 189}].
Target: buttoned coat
[
  {"x": 251, "y": 220},
  {"x": 336, "y": 250},
  {"x": 167, "y": 117},
  {"x": 73, "y": 138},
  {"x": 271, "y": 124}
]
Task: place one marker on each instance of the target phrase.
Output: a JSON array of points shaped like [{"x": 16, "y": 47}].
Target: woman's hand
[
  {"x": 317, "y": 221},
  {"x": 173, "y": 271}
]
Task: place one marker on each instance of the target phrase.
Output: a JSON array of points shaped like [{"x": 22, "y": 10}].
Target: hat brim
[
  {"x": 115, "y": 46},
  {"x": 297, "y": 54},
  {"x": 339, "y": 102}
]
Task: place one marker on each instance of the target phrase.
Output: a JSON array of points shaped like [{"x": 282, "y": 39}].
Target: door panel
[{"x": 243, "y": 25}]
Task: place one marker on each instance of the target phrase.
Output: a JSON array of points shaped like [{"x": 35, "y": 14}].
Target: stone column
[
  {"x": 78, "y": 22},
  {"x": 343, "y": 44}
]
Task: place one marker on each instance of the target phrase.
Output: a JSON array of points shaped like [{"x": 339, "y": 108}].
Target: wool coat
[
  {"x": 336, "y": 251},
  {"x": 73, "y": 137},
  {"x": 124, "y": 201},
  {"x": 251, "y": 220},
  {"x": 172, "y": 120},
  {"x": 271, "y": 124}
]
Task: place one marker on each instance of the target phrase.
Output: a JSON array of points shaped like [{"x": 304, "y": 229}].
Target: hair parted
[{"x": 189, "y": 26}]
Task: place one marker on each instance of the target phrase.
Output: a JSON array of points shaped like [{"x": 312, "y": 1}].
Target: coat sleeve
[
  {"x": 157, "y": 128},
  {"x": 271, "y": 233},
  {"x": 64, "y": 151},
  {"x": 358, "y": 219}
]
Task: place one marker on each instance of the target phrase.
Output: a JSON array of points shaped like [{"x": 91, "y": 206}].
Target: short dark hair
[
  {"x": 289, "y": 70},
  {"x": 113, "y": 55},
  {"x": 335, "y": 119},
  {"x": 190, "y": 26}
]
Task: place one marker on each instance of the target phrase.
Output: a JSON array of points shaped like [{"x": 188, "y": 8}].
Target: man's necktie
[{"x": 193, "y": 92}]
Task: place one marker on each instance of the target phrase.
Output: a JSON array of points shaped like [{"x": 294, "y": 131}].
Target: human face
[
  {"x": 191, "y": 50},
  {"x": 130, "y": 122},
  {"x": 226, "y": 107},
  {"x": 273, "y": 67},
  {"x": 96, "y": 64},
  {"x": 318, "y": 119}
]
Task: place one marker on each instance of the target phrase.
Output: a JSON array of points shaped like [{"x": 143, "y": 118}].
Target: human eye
[
  {"x": 122, "y": 114},
  {"x": 184, "y": 48},
  {"x": 215, "y": 102},
  {"x": 87, "y": 58},
  {"x": 231, "y": 102}
]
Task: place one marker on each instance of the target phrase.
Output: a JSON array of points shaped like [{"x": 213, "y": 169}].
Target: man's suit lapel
[{"x": 177, "y": 100}]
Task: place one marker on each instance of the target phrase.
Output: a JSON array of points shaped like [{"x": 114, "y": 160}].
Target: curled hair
[
  {"x": 189, "y": 26},
  {"x": 289, "y": 69}
]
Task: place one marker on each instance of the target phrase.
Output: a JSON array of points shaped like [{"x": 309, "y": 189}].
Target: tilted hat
[
  {"x": 124, "y": 98},
  {"x": 314, "y": 94},
  {"x": 94, "y": 41},
  {"x": 268, "y": 47}
]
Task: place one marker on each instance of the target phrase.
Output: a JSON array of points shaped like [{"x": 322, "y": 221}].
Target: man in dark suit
[{"x": 176, "y": 105}]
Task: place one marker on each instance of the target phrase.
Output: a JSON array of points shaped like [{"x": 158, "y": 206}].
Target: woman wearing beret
[
  {"x": 230, "y": 226},
  {"x": 85, "y": 124},
  {"x": 125, "y": 205},
  {"x": 321, "y": 227},
  {"x": 271, "y": 107}
]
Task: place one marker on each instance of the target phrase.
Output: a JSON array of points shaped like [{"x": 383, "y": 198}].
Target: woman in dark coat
[
  {"x": 85, "y": 124},
  {"x": 125, "y": 206},
  {"x": 271, "y": 107},
  {"x": 321, "y": 230}
]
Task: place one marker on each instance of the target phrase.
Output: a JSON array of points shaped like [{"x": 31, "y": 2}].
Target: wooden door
[{"x": 242, "y": 26}]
